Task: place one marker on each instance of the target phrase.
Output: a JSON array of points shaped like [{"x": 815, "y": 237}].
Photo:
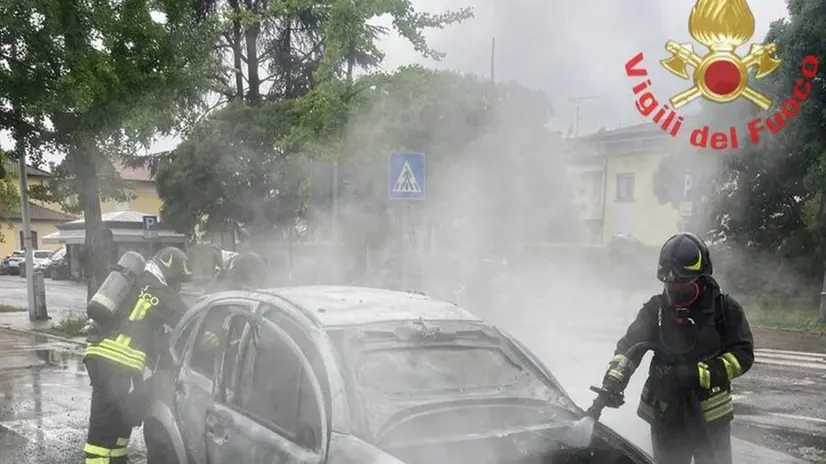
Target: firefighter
[
  {"x": 243, "y": 272},
  {"x": 120, "y": 350},
  {"x": 703, "y": 342}
]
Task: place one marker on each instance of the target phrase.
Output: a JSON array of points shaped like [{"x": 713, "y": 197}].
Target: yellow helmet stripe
[{"x": 696, "y": 266}]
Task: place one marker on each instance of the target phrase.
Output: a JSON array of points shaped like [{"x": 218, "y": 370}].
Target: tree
[
  {"x": 106, "y": 75},
  {"x": 252, "y": 156}
]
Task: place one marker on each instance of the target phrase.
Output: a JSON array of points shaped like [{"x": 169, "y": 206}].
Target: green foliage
[
  {"x": 231, "y": 170},
  {"x": 247, "y": 163}
]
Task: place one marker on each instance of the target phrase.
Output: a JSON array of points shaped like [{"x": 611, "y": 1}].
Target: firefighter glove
[
  {"x": 715, "y": 375},
  {"x": 619, "y": 372}
]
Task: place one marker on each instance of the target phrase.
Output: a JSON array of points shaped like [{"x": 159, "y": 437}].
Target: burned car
[{"x": 351, "y": 375}]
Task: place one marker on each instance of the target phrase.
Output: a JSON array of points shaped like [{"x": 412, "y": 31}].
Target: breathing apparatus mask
[{"x": 681, "y": 295}]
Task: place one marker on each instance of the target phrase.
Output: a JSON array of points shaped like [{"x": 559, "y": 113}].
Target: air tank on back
[{"x": 117, "y": 286}]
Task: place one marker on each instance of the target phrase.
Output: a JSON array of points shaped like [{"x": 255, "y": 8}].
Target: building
[
  {"x": 44, "y": 217},
  {"x": 142, "y": 186},
  {"x": 612, "y": 174}
]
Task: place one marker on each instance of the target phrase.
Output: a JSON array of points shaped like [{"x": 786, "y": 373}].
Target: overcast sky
[{"x": 566, "y": 48}]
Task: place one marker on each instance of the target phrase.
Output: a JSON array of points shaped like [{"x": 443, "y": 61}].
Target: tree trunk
[
  {"x": 236, "y": 50},
  {"x": 96, "y": 245},
  {"x": 251, "y": 39}
]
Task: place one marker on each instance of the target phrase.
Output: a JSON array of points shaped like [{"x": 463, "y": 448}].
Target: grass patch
[
  {"x": 10, "y": 309},
  {"x": 68, "y": 327},
  {"x": 783, "y": 313}
]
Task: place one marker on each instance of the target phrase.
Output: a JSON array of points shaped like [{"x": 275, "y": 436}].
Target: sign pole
[
  {"x": 406, "y": 181},
  {"x": 405, "y": 244}
]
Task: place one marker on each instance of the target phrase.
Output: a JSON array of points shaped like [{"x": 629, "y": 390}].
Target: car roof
[{"x": 345, "y": 306}]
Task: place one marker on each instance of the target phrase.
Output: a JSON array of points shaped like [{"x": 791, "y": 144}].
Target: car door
[
  {"x": 196, "y": 378},
  {"x": 271, "y": 409}
]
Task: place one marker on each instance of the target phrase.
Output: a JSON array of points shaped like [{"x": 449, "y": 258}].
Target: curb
[{"x": 30, "y": 333}]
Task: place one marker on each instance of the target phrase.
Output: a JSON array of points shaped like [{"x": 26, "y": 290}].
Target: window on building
[{"x": 625, "y": 187}]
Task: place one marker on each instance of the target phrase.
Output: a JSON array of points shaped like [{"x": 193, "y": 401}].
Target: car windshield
[
  {"x": 439, "y": 368},
  {"x": 18, "y": 254},
  {"x": 42, "y": 254},
  {"x": 408, "y": 368}
]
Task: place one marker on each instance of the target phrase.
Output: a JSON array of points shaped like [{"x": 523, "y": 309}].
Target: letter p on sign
[{"x": 686, "y": 186}]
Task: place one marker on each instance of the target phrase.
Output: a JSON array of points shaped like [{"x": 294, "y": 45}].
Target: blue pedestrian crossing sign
[{"x": 407, "y": 176}]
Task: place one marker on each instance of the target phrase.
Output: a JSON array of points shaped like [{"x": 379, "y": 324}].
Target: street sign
[
  {"x": 150, "y": 226},
  {"x": 406, "y": 178},
  {"x": 688, "y": 183}
]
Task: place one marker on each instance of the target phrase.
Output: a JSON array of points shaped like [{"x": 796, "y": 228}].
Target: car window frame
[
  {"x": 190, "y": 348},
  {"x": 243, "y": 345},
  {"x": 322, "y": 442}
]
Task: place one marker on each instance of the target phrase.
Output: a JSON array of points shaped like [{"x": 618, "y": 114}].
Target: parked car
[
  {"x": 15, "y": 258},
  {"x": 58, "y": 268},
  {"x": 54, "y": 258},
  {"x": 41, "y": 260},
  {"x": 351, "y": 375},
  {"x": 4, "y": 266}
]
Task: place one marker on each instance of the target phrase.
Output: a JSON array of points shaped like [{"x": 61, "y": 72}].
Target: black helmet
[
  {"x": 683, "y": 258},
  {"x": 174, "y": 265},
  {"x": 248, "y": 270}
]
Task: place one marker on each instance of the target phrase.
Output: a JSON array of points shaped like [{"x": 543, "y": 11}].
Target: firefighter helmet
[
  {"x": 174, "y": 265},
  {"x": 683, "y": 258}
]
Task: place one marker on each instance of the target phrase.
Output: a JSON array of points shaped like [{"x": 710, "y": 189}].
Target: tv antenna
[{"x": 578, "y": 101}]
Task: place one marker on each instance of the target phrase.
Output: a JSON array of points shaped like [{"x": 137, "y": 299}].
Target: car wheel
[{"x": 159, "y": 448}]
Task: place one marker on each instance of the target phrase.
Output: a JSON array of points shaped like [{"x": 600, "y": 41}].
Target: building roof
[
  {"x": 117, "y": 216},
  {"x": 138, "y": 174},
  {"x": 339, "y": 305},
  {"x": 119, "y": 235},
  {"x": 643, "y": 130},
  {"x": 41, "y": 213},
  {"x": 13, "y": 168}
]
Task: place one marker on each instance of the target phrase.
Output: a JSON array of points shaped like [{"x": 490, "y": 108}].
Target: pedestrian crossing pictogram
[
  {"x": 406, "y": 183},
  {"x": 406, "y": 176}
]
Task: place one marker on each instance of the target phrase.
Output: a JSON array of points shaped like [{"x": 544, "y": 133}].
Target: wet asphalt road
[
  {"x": 44, "y": 403},
  {"x": 60, "y": 294}
]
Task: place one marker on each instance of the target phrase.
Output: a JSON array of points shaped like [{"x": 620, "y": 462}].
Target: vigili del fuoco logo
[{"x": 720, "y": 75}]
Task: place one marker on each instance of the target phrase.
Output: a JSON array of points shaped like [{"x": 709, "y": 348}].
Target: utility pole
[
  {"x": 577, "y": 101},
  {"x": 20, "y": 151},
  {"x": 493, "y": 60}
]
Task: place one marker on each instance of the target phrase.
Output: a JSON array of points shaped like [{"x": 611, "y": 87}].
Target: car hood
[{"x": 530, "y": 445}]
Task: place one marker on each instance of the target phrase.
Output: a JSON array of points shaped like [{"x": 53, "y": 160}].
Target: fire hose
[{"x": 581, "y": 433}]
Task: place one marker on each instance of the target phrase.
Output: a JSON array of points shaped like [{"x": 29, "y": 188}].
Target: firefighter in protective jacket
[
  {"x": 703, "y": 343},
  {"x": 117, "y": 355}
]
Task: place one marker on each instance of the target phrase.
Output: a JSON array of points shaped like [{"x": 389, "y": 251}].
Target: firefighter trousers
[
  {"x": 677, "y": 445},
  {"x": 109, "y": 421}
]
